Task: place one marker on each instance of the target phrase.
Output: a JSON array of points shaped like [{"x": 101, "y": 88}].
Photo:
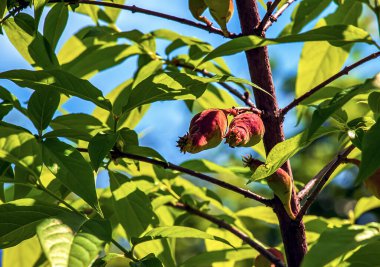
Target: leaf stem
[
  {"x": 232, "y": 229},
  {"x": 312, "y": 91}
]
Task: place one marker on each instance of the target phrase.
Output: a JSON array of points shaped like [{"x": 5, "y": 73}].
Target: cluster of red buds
[{"x": 208, "y": 128}]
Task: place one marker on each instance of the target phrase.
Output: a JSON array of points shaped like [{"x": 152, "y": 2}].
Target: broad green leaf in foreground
[
  {"x": 21, "y": 148},
  {"x": 18, "y": 219},
  {"x": 74, "y": 242},
  {"x": 60, "y": 81},
  {"x": 286, "y": 149},
  {"x": 336, "y": 35},
  {"x": 69, "y": 166}
]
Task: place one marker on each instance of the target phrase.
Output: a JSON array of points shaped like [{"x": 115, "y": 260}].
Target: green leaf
[
  {"x": 18, "y": 219},
  {"x": 177, "y": 232},
  {"x": 214, "y": 97},
  {"x": 55, "y": 23},
  {"x": 286, "y": 149},
  {"x": 149, "y": 261},
  {"x": 42, "y": 106},
  {"x": 3, "y": 7},
  {"x": 366, "y": 256},
  {"x": 34, "y": 48},
  {"x": 27, "y": 253},
  {"x": 336, "y": 242},
  {"x": 374, "y": 102},
  {"x": 337, "y": 35},
  {"x": 10, "y": 98},
  {"x": 220, "y": 256},
  {"x": 59, "y": 81},
  {"x": 79, "y": 123},
  {"x": 119, "y": 98},
  {"x": 22, "y": 184},
  {"x": 370, "y": 152},
  {"x": 21, "y": 148},
  {"x": 327, "y": 108},
  {"x": 73, "y": 243},
  {"x": 147, "y": 70},
  {"x": 99, "y": 147},
  {"x": 72, "y": 134},
  {"x": 319, "y": 61},
  {"x": 113, "y": 13},
  {"x": 165, "y": 86},
  {"x": 132, "y": 206},
  {"x": 69, "y": 166},
  {"x": 99, "y": 57},
  {"x": 366, "y": 204},
  {"x": 261, "y": 213},
  {"x": 143, "y": 151},
  {"x": 305, "y": 12},
  {"x": 5, "y": 108},
  {"x": 38, "y": 8},
  {"x": 206, "y": 166}
]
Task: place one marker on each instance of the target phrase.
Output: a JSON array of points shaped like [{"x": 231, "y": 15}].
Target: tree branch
[
  {"x": 135, "y": 9},
  {"x": 268, "y": 16},
  {"x": 276, "y": 15},
  {"x": 319, "y": 181},
  {"x": 344, "y": 71},
  {"x": 243, "y": 97},
  {"x": 293, "y": 234},
  {"x": 233, "y": 230},
  {"x": 167, "y": 165}
]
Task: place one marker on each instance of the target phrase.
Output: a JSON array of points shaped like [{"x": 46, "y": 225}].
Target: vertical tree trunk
[{"x": 293, "y": 234}]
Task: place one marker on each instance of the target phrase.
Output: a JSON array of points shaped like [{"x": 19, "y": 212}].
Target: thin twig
[
  {"x": 276, "y": 15},
  {"x": 167, "y": 165},
  {"x": 135, "y": 9},
  {"x": 344, "y": 71},
  {"x": 319, "y": 182},
  {"x": 268, "y": 15},
  {"x": 243, "y": 97},
  {"x": 233, "y": 230}
]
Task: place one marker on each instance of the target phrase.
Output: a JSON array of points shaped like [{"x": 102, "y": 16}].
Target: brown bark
[{"x": 293, "y": 234}]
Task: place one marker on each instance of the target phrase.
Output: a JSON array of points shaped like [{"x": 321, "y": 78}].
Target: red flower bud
[
  {"x": 261, "y": 261},
  {"x": 373, "y": 184},
  {"x": 206, "y": 131},
  {"x": 246, "y": 129}
]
